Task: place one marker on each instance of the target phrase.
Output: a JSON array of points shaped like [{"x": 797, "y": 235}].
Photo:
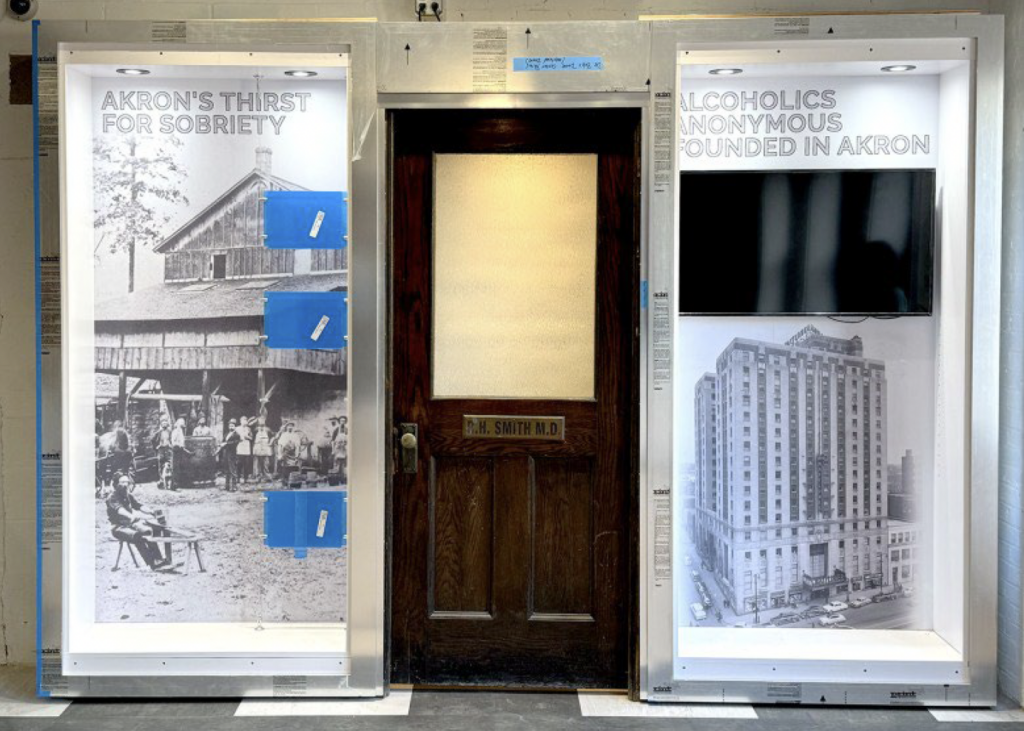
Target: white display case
[
  {"x": 167, "y": 156},
  {"x": 739, "y": 553}
]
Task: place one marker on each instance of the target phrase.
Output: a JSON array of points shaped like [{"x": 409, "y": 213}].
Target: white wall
[{"x": 17, "y": 377}]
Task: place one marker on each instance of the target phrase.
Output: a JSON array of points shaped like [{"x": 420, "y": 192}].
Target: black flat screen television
[{"x": 850, "y": 242}]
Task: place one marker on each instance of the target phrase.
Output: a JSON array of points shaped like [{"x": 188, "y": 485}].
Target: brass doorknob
[{"x": 408, "y": 441}]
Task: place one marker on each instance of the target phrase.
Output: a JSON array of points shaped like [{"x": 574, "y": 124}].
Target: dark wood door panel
[
  {"x": 562, "y": 540},
  {"x": 462, "y": 535},
  {"x": 510, "y": 559}
]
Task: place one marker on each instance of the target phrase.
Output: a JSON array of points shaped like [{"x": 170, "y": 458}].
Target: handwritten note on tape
[{"x": 558, "y": 63}]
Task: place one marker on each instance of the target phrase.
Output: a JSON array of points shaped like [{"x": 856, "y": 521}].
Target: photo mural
[
  {"x": 805, "y": 467},
  {"x": 806, "y": 352},
  {"x": 195, "y": 418}
]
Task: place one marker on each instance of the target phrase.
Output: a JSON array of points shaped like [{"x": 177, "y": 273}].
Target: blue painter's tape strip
[
  {"x": 307, "y": 320},
  {"x": 39, "y": 361},
  {"x": 558, "y": 63},
  {"x": 291, "y": 519},
  {"x": 305, "y": 219},
  {"x": 643, "y": 294}
]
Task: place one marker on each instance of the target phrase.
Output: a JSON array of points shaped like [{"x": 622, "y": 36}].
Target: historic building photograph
[
  {"x": 196, "y": 418},
  {"x": 787, "y": 501}
]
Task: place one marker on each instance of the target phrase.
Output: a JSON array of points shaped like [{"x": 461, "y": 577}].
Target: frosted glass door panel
[{"x": 515, "y": 257}]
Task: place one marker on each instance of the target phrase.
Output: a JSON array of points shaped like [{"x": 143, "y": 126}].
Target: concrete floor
[{"x": 456, "y": 711}]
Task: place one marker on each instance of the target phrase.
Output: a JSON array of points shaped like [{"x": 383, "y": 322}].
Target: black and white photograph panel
[
  {"x": 196, "y": 419},
  {"x": 805, "y": 472}
]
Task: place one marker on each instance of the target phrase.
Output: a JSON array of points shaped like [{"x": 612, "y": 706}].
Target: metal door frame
[{"x": 450, "y": 52}]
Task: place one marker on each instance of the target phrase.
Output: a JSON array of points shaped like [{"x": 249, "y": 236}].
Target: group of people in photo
[
  {"x": 252, "y": 452},
  {"x": 248, "y": 452}
]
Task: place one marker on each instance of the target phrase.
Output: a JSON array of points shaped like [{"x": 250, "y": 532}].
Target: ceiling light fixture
[
  {"x": 298, "y": 74},
  {"x": 898, "y": 68},
  {"x": 725, "y": 72},
  {"x": 133, "y": 72}
]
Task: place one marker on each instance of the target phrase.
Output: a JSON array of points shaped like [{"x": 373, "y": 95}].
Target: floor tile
[
  {"x": 32, "y": 724},
  {"x": 396, "y": 704},
  {"x": 901, "y": 717},
  {"x": 491, "y": 703},
  {"x": 64, "y": 723},
  {"x": 461, "y": 710},
  {"x": 155, "y": 708},
  {"x": 18, "y": 697},
  {"x": 618, "y": 705},
  {"x": 963, "y": 715}
]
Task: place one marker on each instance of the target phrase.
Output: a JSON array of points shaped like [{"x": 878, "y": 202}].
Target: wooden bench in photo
[
  {"x": 122, "y": 542},
  {"x": 191, "y": 546},
  {"x": 174, "y": 537}
]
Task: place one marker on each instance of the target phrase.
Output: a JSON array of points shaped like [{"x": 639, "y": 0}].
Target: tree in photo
[{"x": 137, "y": 182}]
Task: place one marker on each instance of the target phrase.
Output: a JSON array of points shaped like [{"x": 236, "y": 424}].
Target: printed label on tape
[
  {"x": 322, "y": 525},
  {"x": 315, "y": 231},
  {"x": 320, "y": 328}
]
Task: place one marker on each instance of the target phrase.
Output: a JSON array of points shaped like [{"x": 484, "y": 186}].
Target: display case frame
[
  {"x": 358, "y": 669},
  {"x": 835, "y": 38}
]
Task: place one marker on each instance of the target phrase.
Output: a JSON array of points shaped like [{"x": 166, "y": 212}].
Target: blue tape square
[
  {"x": 310, "y": 320},
  {"x": 293, "y": 520},
  {"x": 305, "y": 219},
  {"x": 558, "y": 63}
]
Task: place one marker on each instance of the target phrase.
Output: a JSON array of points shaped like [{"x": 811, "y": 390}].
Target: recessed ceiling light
[
  {"x": 300, "y": 74},
  {"x": 133, "y": 72},
  {"x": 725, "y": 72},
  {"x": 898, "y": 68}
]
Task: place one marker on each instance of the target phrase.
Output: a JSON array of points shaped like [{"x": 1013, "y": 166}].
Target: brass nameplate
[{"x": 547, "y": 428}]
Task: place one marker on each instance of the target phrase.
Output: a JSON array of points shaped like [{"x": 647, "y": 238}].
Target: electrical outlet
[{"x": 428, "y": 9}]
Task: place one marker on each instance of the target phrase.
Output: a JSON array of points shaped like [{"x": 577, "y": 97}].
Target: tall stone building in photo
[
  {"x": 791, "y": 463},
  {"x": 903, "y": 494}
]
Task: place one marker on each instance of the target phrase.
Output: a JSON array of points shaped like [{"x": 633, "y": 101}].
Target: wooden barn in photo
[{"x": 195, "y": 337}]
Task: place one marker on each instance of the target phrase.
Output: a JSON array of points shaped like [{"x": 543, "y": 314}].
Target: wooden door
[{"x": 512, "y": 559}]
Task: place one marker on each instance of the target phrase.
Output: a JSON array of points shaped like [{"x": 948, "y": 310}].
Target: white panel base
[
  {"x": 618, "y": 705},
  {"x": 211, "y": 649},
  {"x": 396, "y": 704},
  {"x": 817, "y": 655},
  {"x": 164, "y": 665}
]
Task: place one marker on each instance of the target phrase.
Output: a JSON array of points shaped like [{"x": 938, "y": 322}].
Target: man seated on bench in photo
[{"x": 132, "y": 523}]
